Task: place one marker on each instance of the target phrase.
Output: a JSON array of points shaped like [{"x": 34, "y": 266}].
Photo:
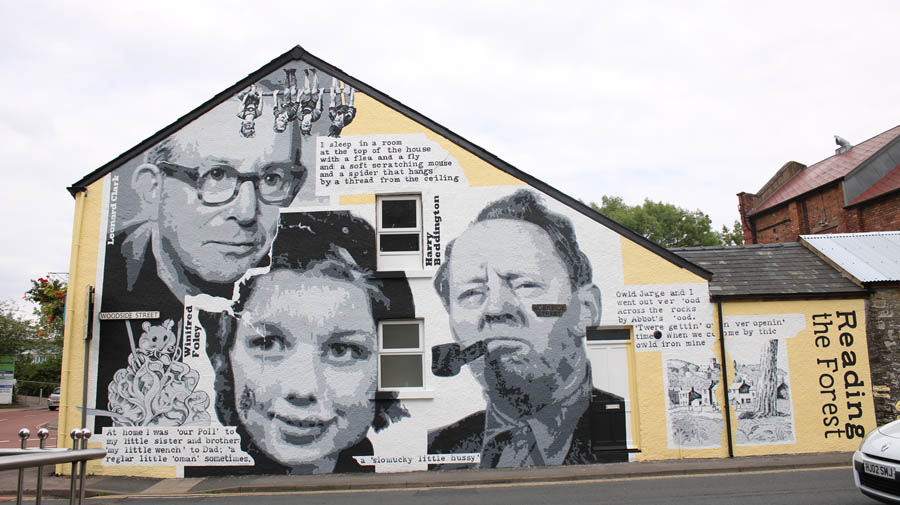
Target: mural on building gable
[
  {"x": 184, "y": 232},
  {"x": 263, "y": 233},
  {"x": 760, "y": 392}
]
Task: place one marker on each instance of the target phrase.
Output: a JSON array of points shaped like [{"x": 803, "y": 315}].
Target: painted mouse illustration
[{"x": 158, "y": 339}]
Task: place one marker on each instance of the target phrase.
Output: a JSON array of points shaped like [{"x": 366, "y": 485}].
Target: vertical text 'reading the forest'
[{"x": 840, "y": 387}]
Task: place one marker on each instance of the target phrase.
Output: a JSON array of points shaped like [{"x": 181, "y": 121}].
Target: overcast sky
[{"x": 682, "y": 102}]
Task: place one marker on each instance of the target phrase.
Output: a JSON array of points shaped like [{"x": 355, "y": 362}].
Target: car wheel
[{"x": 52, "y": 408}]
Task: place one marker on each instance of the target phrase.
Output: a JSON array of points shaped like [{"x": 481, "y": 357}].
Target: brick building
[{"x": 855, "y": 190}]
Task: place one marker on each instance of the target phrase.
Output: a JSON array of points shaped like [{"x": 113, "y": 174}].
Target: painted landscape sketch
[
  {"x": 695, "y": 418},
  {"x": 761, "y": 397}
]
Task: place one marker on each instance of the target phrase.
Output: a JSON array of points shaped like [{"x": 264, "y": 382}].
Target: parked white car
[
  {"x": 876, "y": 464},
  {"x": 53, "y": 400}
]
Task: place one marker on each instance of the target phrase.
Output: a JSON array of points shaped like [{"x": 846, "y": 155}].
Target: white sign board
[
  {"x": 117, "y": 316},
  {"x": 6, "y": 391}
]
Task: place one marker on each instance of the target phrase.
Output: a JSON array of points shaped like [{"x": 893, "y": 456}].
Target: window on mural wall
[
  {"x": 399, "y": 232},
  {"x": 400, "y": 355}
]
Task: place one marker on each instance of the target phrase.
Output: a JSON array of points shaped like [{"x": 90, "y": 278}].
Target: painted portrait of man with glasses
[
  {"x": 206, "y": 205},
  {"x": 211, "y": 202}
]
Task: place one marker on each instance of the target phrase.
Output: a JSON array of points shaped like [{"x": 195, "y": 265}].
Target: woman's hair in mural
[
  {"x": 524, "y": 205},
  {"x": 332, "y": 244},
  {"x": 342, "y": 247}
]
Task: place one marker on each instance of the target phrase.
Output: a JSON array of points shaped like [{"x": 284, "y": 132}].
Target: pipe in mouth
[{"x": 448, "y": 359}]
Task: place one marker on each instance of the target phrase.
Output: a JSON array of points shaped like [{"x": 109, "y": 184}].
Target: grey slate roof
[
  {"x": 784, "y": 269},
  {"x": 868, "y": 257}
]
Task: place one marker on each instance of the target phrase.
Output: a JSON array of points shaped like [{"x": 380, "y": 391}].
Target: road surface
[
  {"x": 796, "y": 487},
  {"x": 12, "y": 421}
]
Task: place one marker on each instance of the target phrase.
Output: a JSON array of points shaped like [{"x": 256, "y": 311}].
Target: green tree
[
  {"x": 19, "y": 337},
  {"x": 49, "y": 295},
  {"x": 665, "y": 223},
  {"x": 34, "y": 378},
  {"x": 16, "y": 333},
  {"x": 39, "y": 358},
  {"x": 733, "y": 237}
]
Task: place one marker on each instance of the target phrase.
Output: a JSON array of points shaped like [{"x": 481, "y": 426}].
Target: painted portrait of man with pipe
[{"x": 513, "y": 261}]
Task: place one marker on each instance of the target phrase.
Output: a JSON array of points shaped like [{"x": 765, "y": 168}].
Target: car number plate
[{"x": 880, "y": 470}]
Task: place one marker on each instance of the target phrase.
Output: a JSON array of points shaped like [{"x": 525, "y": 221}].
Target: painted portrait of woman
[{"x": 296, "y": 363}]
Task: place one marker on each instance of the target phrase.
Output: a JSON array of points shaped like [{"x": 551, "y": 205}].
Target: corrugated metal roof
[
  {"x": 828, "y": 170},
  {"x": 784, "y": 269},
  {"x": 869, "y": 257}
]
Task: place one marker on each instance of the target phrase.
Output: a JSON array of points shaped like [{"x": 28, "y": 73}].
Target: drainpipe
[
  {"x": 88, "y": 333},
  {"x": 724, "y": 377}
]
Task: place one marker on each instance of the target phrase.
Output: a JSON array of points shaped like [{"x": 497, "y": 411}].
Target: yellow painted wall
[
  {"x": 82, "y": 273},
  {"x": 805, "y": 373},
  {"x": 357, "y": 199},
  {"x": 642, "y": 266}
]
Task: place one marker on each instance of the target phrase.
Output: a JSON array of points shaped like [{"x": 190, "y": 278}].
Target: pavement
[
  {"x": 96, "y": 485},
  {"x": 99, "y": 485}
]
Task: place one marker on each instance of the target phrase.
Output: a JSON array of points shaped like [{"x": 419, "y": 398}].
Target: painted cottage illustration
[
  {"x": 743, "y": 392},
  {"x": 692, "y": 385}
]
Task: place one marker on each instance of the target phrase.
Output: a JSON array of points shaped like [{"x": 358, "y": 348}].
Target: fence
[
  {"x": 31, "y": 401},
  {"x": 78, "y": 456}
]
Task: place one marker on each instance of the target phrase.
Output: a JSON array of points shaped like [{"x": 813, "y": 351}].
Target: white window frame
[
  {"x": 398, "y": 260},
  {"x": 406, "y": 351}
]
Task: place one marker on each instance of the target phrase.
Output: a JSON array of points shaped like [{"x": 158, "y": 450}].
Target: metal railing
[{"x": 20, "y": 459}]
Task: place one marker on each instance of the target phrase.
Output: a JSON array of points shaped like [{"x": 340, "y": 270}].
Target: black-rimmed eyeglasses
[{"x": 219, "y": 184}]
